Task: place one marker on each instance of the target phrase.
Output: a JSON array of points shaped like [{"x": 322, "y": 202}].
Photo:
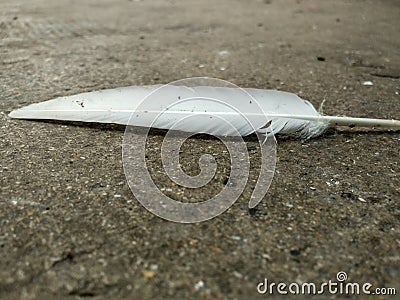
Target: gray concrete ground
[{"x": 334, "y": 202}]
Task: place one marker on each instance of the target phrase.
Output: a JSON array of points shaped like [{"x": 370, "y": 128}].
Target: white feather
[{"x": 195, "y": 110}]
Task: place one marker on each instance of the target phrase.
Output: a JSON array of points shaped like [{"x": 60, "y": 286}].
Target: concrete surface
[{"x": 70, "y": 227}]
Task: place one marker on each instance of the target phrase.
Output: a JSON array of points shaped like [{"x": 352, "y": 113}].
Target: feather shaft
[
  {"x": 332, "y": 120},
  {"x": 344, "y": 121}
]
